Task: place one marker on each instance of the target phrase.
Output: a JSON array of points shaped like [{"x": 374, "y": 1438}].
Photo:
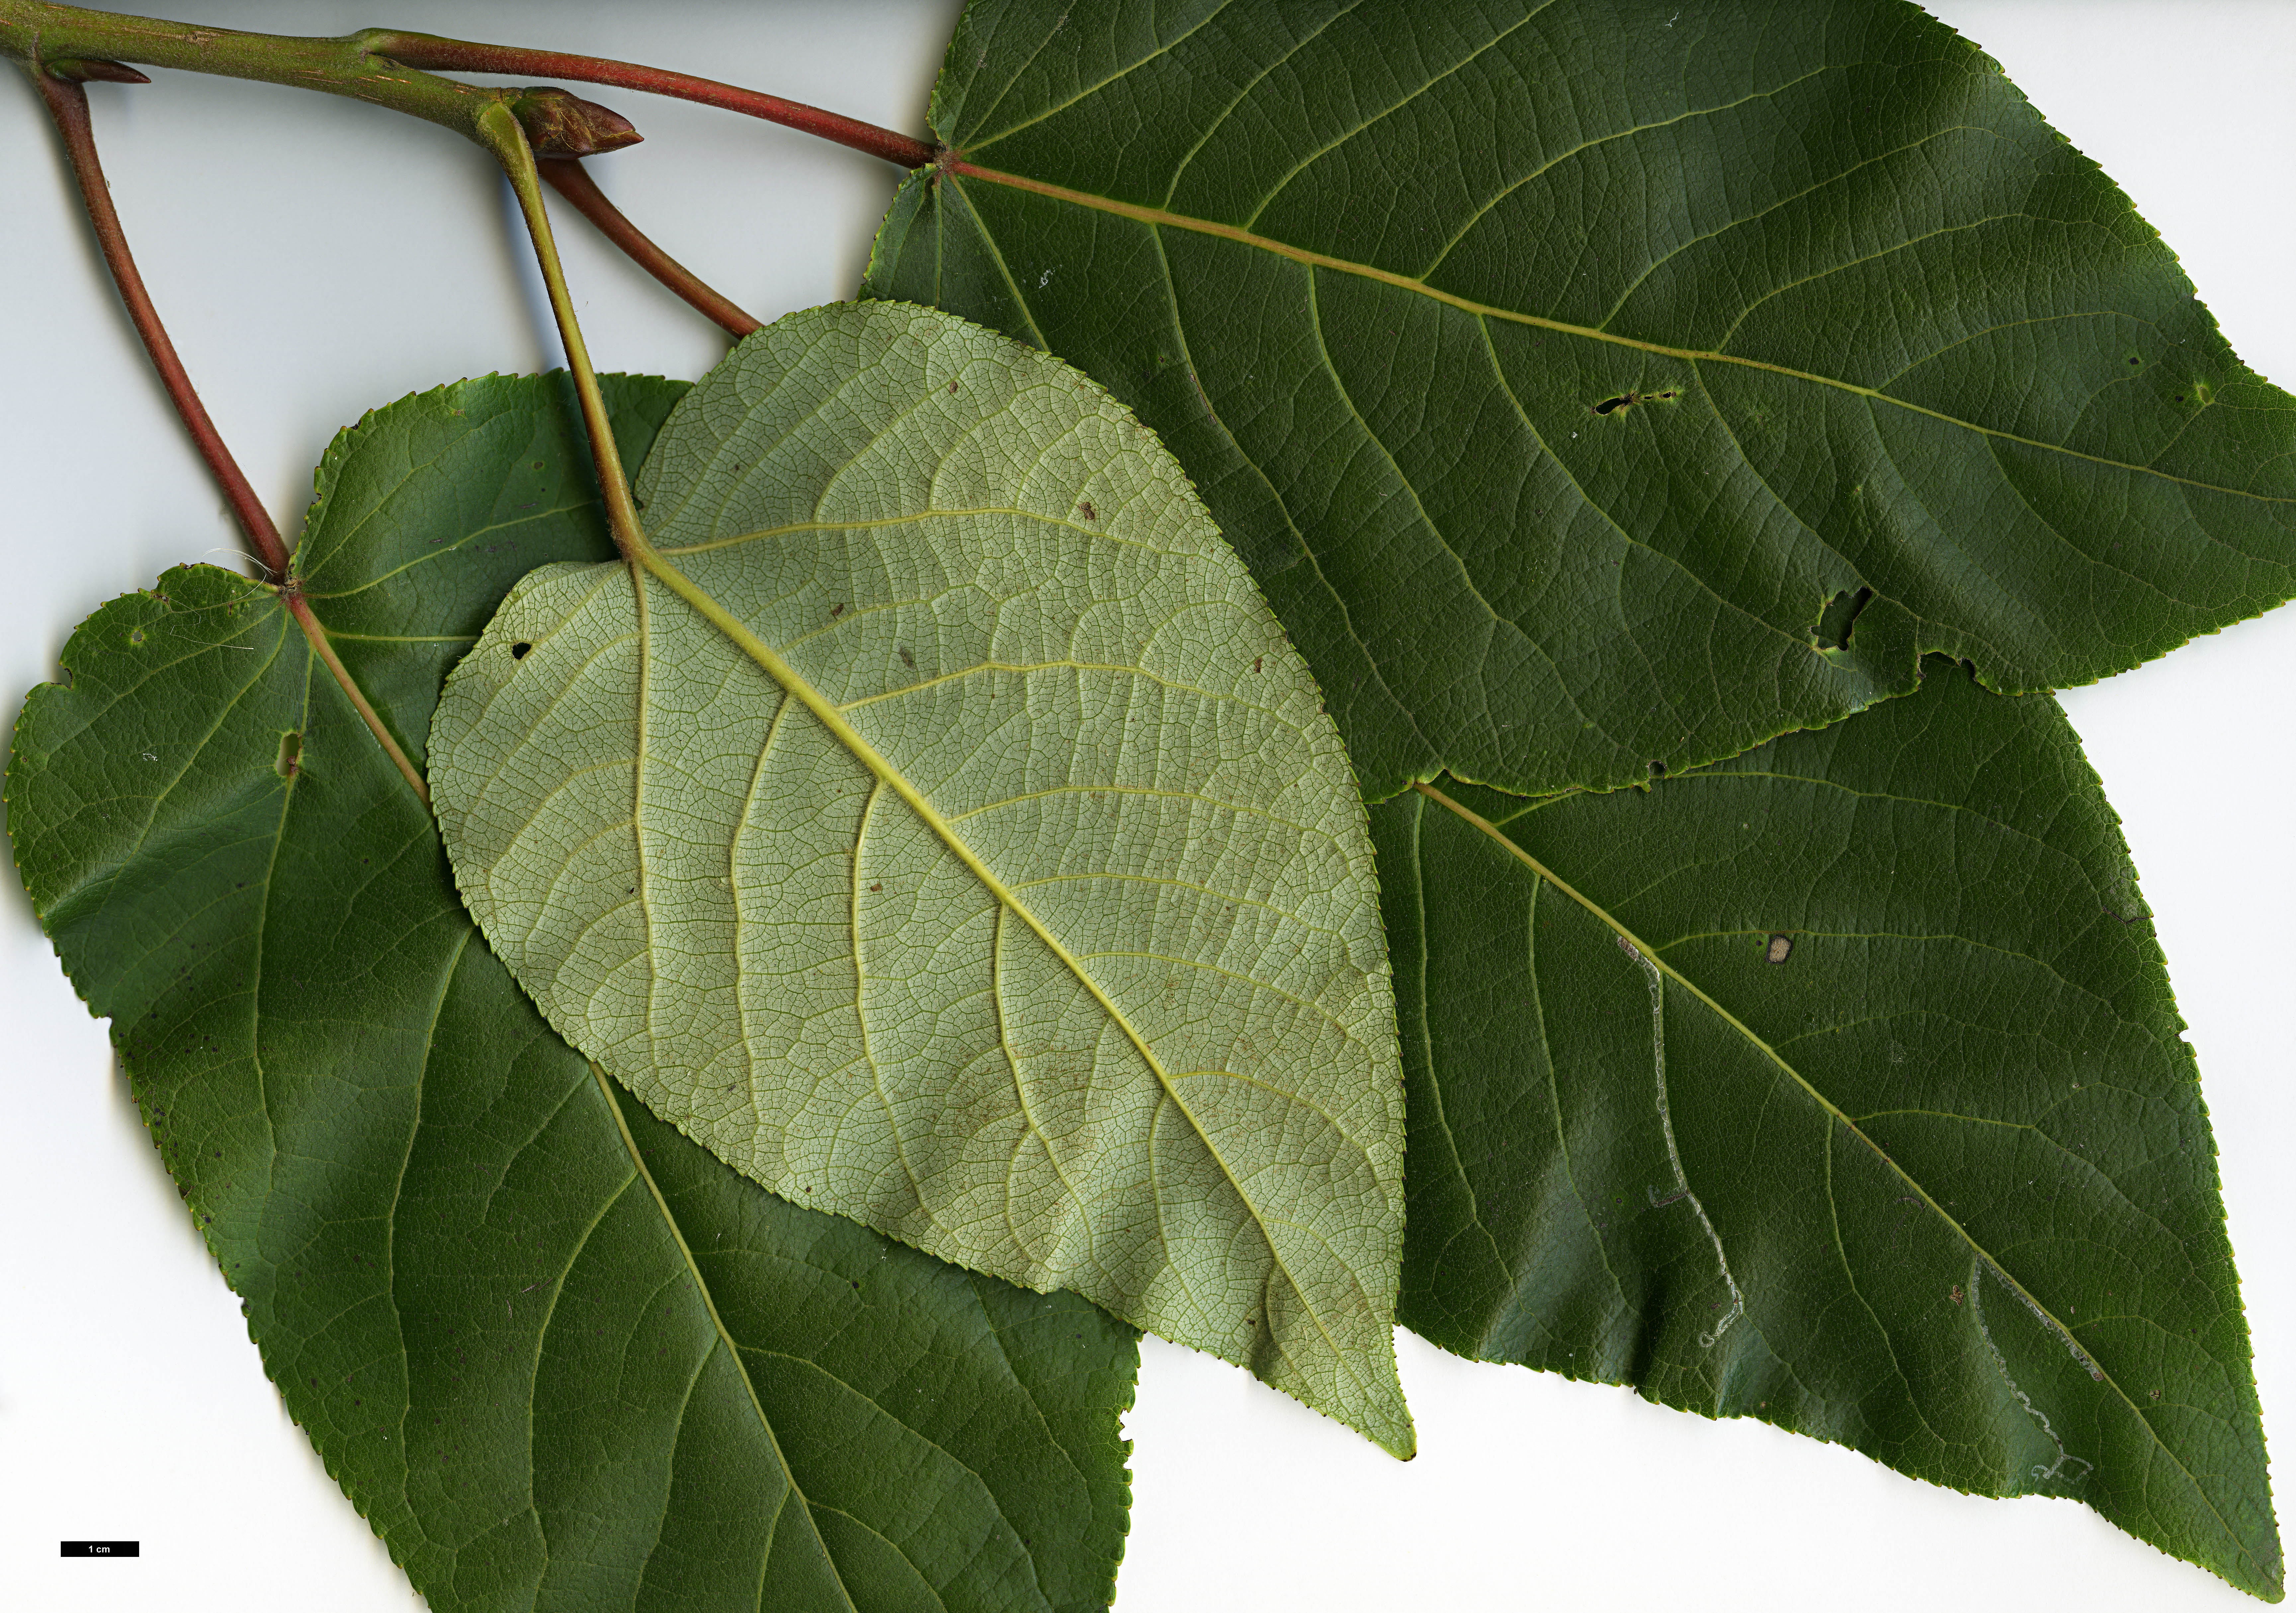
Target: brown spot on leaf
[
  {"x": 1780, "y": 949},
  {"x": 1089, "y": 513}
]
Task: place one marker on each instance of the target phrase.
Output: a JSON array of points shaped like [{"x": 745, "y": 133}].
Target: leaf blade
[
  {"x": 936, "y": 640},
  {"x": 1951, "y": 1140},
  {"x": 1519, "y": 306}
]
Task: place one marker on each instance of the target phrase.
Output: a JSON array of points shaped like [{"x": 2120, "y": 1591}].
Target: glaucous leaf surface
[
  {"x": 948, "y": 837},
  {"x": 1576, "y": 375},
  {"x": 553, "y": 1352},
  {"x": 1840, "y": 1086}
]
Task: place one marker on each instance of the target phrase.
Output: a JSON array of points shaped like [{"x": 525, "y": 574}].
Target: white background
[{"x": 315, "y": 257}]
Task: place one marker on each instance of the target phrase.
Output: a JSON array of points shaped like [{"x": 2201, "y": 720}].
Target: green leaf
[
  {"x": 1839, "y": 1085},
  {"x": 1597, "y": 385},
  {"x": 553, "y": 1352},
  {"x": 946, "y": 836}
]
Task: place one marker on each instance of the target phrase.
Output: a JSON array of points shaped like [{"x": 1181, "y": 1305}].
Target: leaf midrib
[
  {"x": 957, "y": 169},
  {"x": 1659, "y": 961},
  {"x": 825, "y": 712}
]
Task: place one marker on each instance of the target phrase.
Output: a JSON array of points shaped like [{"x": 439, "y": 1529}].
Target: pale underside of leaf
[
  {"x": 943, "y": 832},
  {"x": 1557, "y": 366}
]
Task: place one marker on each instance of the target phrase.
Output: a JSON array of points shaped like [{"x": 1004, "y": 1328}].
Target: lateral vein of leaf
[
  {"x": 1418, "y": 504},
  {"x": 1026, "y": 666},
  {"x": 1943, "y": 531},
  {"x": 1144, "y": 789},
  {"x": 1847, "y": 264},
  {"x": 1835, "y": 1114},
  {"x": 830, "y": 719},
  {"x": 709, "y": 1304},
  {"x": 1417, "y": 90},
  {"x": 861, "y": 1008},
  {"x": 1213, "y": 127},
  {"x": 1663, "y": 259},
  {"x": 151, "y": 818},
  {"x": 893, "y": 1546},
  {"x": 748, "y": 822},
  {"x": 398, "y": 1183},
  {"x": 2073, "y": 988},
  {"x": 908, "y": 519},
  {"x": 1297, "y": 1001},
  {"x": 2017, "y": 491},
  {"x": 1372, "y": 668},
  {"x": 255, "y": 970},
  {"x": 1230, "y": 898},
  {"x": 1052, "y": 1437},
  {"x": 1325, "y": 260},
  {"x": 1935, "y": 354},
  {"x": 1163, "y": 48},
  {"x": 1941, "y": 1114},
  {"x": 405, "y": 638},
  {"x": 1427, "y": 1041},
  {"x": 812, "y": 1367},
  {"x": 1849, "y": 1275},
  {"x": 1656, "y": 685},
  {"x": 315, "y": 632},
  {"x": 428, "y": 555},
  {"x": 1553, "y": 1083},
  {"x": 1003, "y": 268},
  {"x": 1478, "y": 215},
  {"x": 1028, "y": 1109}
]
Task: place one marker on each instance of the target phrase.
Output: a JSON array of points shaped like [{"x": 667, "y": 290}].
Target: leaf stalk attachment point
[{"x": 59, "y": 87}]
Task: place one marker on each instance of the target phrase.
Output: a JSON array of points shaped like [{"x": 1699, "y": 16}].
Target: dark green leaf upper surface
[
  {"x": 1556, "y": 366},
  {"x": 1839, "y": 1086},
  {"x": 555, "y": 1353}
]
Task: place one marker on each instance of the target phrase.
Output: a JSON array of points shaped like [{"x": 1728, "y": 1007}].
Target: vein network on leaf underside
[
  {"x": 829, "y": 714},
  {"x": 1836, "y": 1117},
  {"x": 1160, "y": 217},
  {"x": 911, "y": 519}
]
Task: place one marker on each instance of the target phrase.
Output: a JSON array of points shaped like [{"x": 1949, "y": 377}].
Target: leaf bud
[{"x": 560, "y": 124}]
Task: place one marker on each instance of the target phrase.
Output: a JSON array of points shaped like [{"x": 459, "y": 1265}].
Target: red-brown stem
[
  {"x": 571, "y": 180},
  {"x": 67, "y": 105},
  {"x": 430, "y": 53}
]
